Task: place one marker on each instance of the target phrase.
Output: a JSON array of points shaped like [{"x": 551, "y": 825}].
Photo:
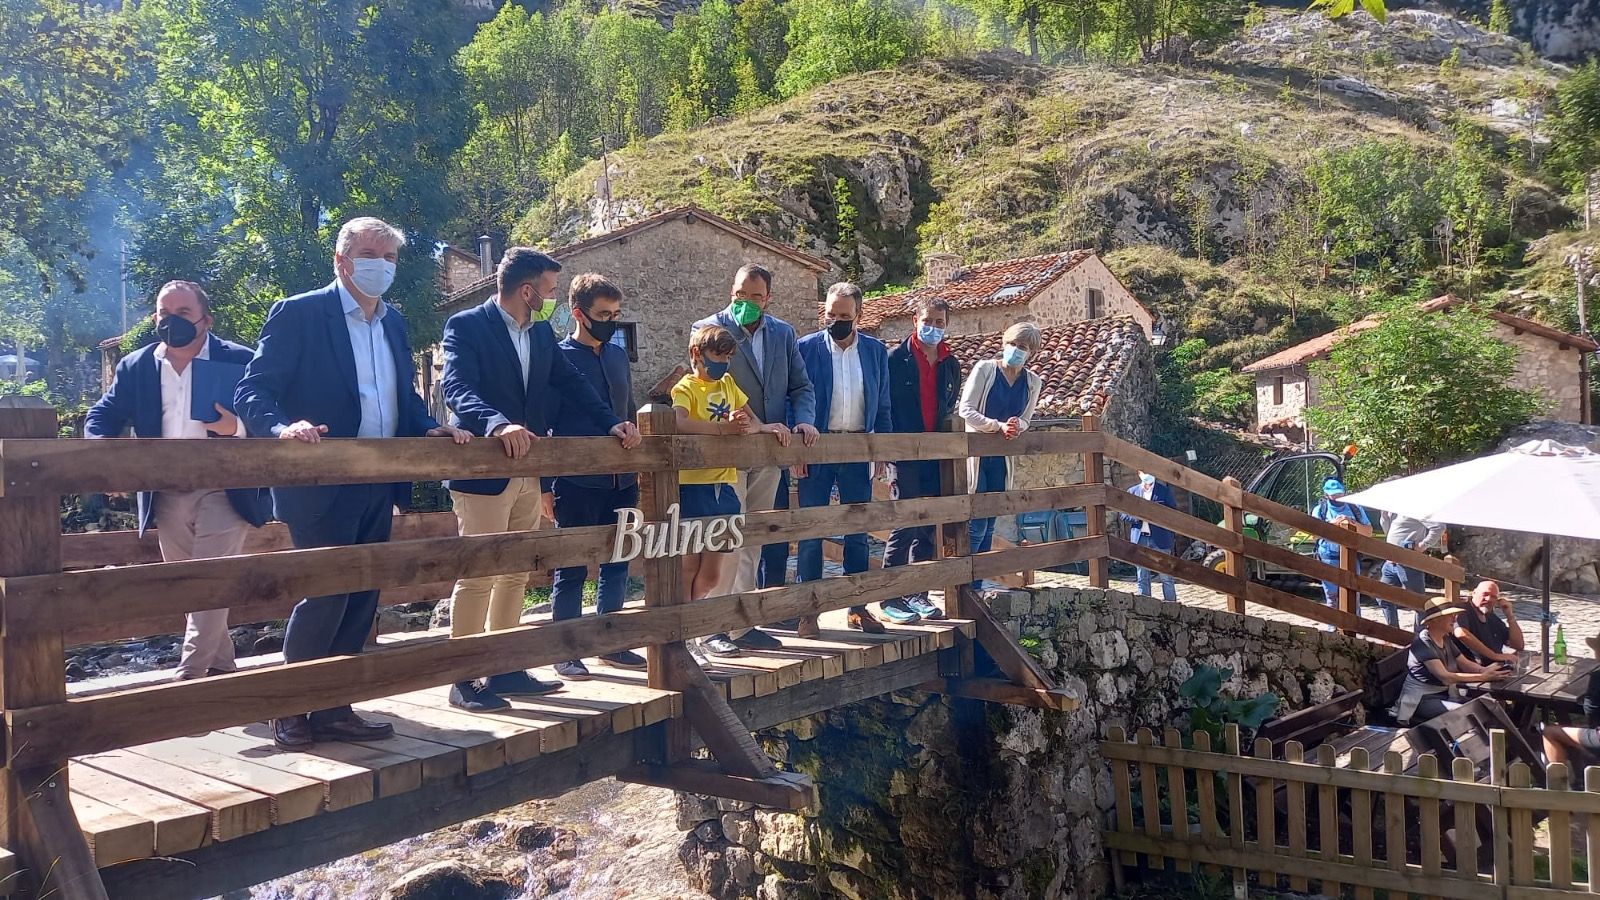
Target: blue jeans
[
  {"x": 991, "y": 480},
  {"x": 1329, "y": 555},
  {"x": 576, "y": 507},
  {"x": 1399, "y": 576},
  {"x": 1169, "y": 587},
  {"x": 338, "y": 624},
  {"x": 914, "y": 543},
  {"x": 855, "y": 486}
]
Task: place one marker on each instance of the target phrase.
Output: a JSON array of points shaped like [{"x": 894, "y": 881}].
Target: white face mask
[{"x": 372, "y": 277}]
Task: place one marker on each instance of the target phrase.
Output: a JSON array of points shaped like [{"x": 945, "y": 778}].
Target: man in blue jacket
[
  {"x": 1148, "y": 534},
  {"x": 505, "y": 378},
  {"x": 849, "y": 374},
  {"x": 336, "y": 362},
  {"x": 768, "y": 369},
  {"x": 151, "y": 392},
  {"x": 581, "y": 500},
  {"x": 924, "y": 383}
]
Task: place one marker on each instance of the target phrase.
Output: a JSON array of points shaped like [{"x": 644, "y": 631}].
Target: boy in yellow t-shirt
[{"x": 709, "y": 402}]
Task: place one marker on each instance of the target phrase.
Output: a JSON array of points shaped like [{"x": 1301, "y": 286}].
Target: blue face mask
[
  {"x": 715, "y": 370},
  {"x": 930, "y": 335},
  {"x": 1147, "y": 480},
  {"x": 1014, "y": 356}
]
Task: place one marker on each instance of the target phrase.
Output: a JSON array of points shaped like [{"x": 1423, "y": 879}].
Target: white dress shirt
[
  {"x": 377, "y": 382},
  {"x": 521, "y": 339},
  {"x": 177, "y": 390},
  {"x": 848, "y": 409}
]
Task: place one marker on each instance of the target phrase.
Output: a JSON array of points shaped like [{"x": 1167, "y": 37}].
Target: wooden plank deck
[{"x": 184, "y": 794}]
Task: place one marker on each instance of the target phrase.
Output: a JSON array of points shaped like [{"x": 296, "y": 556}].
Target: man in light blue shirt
[{"x": 336, "y": 362}]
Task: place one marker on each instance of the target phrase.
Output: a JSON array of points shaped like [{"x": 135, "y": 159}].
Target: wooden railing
[
  {"x": 1318, "y": 820},
  {"x": 53, "y": 595}
]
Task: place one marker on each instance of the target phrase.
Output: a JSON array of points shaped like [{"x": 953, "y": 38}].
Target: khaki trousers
[
  {"x": 758, "y": 491},
  {"x": 201, "y": 525},
  {"x": 493, "y": 602}
]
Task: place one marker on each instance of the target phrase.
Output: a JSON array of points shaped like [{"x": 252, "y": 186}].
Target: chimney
[
  {"x": 937, "y": 268},
  {"x": 485, "y": 255}
]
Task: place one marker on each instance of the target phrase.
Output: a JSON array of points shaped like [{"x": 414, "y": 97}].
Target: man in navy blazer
[
  {"x": 151, "y": 392},
  {"x": 1149, "y": 534},
  {"x": 768, "y": 369},
  {"x": 505, "y": 377},
  {"x": 849, "y": 372},
  {"x": 336, "y": 362}
]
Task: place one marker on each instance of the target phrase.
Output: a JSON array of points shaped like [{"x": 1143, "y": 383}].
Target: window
[
  {"x": 627, "y": 337},
  {"x": 1096, "y": 304},
  {"x": 1277, "y": 391},
  {"x": 1009, "y": 291}
]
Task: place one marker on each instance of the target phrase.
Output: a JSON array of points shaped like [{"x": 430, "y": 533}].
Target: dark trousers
[
  {"x": 991, "y": 480},
  {"x": 338, "y": 624},
  {"x": 575, "y": 507},
  {"x": 773, "y": 569},
  {"x": 854, "y": 481},
  {"x": 915, "y": 478}
]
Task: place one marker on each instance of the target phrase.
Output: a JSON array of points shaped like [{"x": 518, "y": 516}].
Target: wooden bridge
[{"x": 143, "y": 787}]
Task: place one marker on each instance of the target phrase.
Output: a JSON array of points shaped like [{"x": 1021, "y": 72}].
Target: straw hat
[{"x": 1440, "y": 606}]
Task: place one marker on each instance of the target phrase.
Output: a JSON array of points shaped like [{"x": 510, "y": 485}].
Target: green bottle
[{"x": 1561, "y": 646}]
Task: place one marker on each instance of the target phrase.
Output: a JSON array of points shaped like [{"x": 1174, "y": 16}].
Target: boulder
[
  {"x": 449, "y": 879},
  {"x": 1518, "y": 556}
]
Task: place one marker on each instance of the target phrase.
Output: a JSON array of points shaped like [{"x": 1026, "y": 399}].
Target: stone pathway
[{"x": 1580, "y": 615}]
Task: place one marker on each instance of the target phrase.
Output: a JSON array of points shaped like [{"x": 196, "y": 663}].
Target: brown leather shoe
[
  {"x": 292, "y": 733},
  {"x": 352, "y": 728},
  {"x": 863, "y": 621},
  {"x": 807, "y": 628}
]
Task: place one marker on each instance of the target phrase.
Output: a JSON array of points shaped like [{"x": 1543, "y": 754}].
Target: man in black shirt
[{"x": 1483, "y": 635}]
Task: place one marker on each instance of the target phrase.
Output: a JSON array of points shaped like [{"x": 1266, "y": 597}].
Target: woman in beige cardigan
[{"x": 999, "y": 397}]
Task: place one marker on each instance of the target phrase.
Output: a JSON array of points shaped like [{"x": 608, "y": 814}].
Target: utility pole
[{"x": 1581, "y": 260}]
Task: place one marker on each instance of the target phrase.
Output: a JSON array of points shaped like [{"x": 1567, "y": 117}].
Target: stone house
[
  {"x": 1104, "y": 365},
  {"x": 1551, "y": 362},
  {"x": 673, "y": 267},
  {"x": 1053, "y": 289}
]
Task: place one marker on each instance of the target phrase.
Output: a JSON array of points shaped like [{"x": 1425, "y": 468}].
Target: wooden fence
[
  {"x": 50, "y": 603},
  {"x": 1327, "y": 822}
]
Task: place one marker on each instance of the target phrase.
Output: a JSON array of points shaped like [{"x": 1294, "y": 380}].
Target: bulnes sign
[{"x": 674, "y": 537}]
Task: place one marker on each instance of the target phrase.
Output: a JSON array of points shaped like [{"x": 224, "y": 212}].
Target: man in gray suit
[{"x": 768, "y": 368}]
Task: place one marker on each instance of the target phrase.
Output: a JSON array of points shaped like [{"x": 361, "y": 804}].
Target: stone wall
[
  {"x": 1296, "y": 387},
  {"x": 1545, "y": 367},
  {"x": 928, "y": 797}
]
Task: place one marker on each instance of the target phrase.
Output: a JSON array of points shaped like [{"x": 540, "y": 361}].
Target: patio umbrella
[{"x": 1540, "y": 487}]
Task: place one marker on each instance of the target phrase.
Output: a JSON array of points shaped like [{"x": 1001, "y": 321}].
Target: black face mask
[
  {"x": 841, "y": 328},
  {"x": 176, "y": 331},
  {"x": 602, "y": 331}
]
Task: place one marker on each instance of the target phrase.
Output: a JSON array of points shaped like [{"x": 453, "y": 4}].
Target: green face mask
[
  {"x": 543, "y": 312},
  {"x": 745, "y": 312}
]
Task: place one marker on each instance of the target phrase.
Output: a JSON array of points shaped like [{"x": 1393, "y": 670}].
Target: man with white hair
[{"x": 336, "y": 362}]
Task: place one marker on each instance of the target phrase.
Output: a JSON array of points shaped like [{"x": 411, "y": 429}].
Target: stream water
[{"x": 603, "y": 841}]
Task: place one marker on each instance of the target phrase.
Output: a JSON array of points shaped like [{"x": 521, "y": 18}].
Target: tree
[
  {"x": 21, "y": 302},
  {"x": 292, "y": 117},
  {"x": 1334, "y": 9},
  {"x": 1417, "y": 390},
  {"x": 69, "y": 112},
  {"x": 702, "y": 55},
  {"x": 832, "y": 38},
  {"x": 1574, "y": 126},
  {"x": 1499, "y": 16}
]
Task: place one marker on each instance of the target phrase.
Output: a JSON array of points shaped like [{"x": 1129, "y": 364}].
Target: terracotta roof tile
[
  {"x": 1319, "y": 346},
  {"x": 1081, "y": 362},
  {"x": 1003, "y": 283}
]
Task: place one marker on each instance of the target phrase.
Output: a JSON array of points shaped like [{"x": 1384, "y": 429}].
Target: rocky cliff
[
  {"x": 994, "y": 156},
  {"x": 924, "y": 797}
]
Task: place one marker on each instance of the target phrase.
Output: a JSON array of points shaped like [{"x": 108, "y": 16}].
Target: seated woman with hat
[{"x": 1436, "y": 665}]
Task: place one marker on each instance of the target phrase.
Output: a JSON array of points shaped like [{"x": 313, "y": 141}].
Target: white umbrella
[{"x": 1540, "y": 487}]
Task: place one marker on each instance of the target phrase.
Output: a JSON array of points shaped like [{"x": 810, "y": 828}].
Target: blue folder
[{"x": 212, "y": 383}]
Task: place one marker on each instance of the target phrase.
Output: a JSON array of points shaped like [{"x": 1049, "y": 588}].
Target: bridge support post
[
  {"x": 1094, "y": 472},
  {"x": 955, "y": 541},
  {"x": 1233, "y": 562},
  {"x": 38, "y": 822},
  {"x": 1349, "y": 598}
]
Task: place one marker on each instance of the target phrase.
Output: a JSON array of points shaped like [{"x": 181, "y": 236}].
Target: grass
[{"x": 539, "y": 596}]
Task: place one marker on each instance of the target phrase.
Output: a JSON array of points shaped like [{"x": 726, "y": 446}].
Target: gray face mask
[{"x": 372, "y": 277}]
